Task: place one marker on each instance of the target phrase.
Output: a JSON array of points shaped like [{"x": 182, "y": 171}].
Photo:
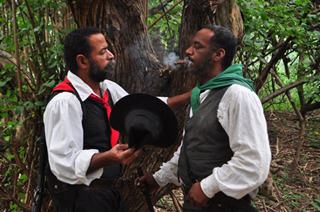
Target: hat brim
[{"x": 151, "y": 104}]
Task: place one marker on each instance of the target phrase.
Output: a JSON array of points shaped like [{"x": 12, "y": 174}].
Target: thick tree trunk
[{"x": 139, "y": 70}]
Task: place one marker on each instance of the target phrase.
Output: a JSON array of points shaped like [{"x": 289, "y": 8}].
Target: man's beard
[
  {"x": 98, "y": 75},
  {"x": 203, "y": 68}
]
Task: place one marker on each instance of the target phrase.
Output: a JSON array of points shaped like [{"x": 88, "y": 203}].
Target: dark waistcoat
[
  {"x": 205, "y": 144},
  {"x": 96, "y": 131}
]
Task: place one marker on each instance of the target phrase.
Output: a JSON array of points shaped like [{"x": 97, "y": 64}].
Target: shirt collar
[{"x": 81, "y": 87}]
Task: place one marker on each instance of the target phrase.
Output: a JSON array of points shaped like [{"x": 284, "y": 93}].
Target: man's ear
[
  {"x": 218, "y": 55},
  {"x": 82, "y": 61}
]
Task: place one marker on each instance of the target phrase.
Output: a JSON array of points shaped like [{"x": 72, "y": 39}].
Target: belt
[
  {"x": 220, "y": 200},
  {"x": 97, "y": 184}
]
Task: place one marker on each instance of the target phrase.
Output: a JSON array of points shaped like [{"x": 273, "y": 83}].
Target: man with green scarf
[{"x": 225, "y": 154}]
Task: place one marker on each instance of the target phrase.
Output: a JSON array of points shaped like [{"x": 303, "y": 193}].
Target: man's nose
[
  {"x": 110, "y": 56},
  {"x": 188, "y": 51}
]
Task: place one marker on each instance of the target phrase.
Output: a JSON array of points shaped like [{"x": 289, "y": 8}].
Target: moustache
[{"x": 111, "y": 65}]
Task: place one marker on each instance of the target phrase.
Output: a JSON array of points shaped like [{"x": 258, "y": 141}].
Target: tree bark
[{"x": 137, "y": 69}]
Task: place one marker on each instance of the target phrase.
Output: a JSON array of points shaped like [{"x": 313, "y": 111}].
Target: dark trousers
[
  {"x": 88, "y": 199},
  {"x": 222, "y": 203},
  {"x": 100, "y": 196}
]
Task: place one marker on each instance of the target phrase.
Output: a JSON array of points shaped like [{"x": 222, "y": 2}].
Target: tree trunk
[{"x": 139, "y": 70}]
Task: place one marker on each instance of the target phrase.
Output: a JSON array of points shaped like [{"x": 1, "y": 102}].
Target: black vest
[
  {"x": 205, "y": 144},
  {"x": 96, "y": 131}
]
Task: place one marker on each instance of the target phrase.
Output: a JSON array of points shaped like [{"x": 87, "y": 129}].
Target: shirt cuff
[
  {"x": 82, "y": 164},
  {"x": 209, "y": 186},
  {"x": 160, "y": 178},
  {"x": 164, "y": 99}
]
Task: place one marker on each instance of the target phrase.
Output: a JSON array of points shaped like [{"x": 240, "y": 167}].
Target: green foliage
[
  {"x": 39, "y": 33},
  {"x": 13, "y": 207},
  {"x": 316, "y": 204},
  {"x": 167, "y": 28},
  {"x": 267, "y": 25},
  {"x": 293, "y": 199}
]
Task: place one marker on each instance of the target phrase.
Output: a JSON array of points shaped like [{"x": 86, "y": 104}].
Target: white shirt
[
  {"x": 240, "y": 113},
  {"x": 68, "y": 160}
]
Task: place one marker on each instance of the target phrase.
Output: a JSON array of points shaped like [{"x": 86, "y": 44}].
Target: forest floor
[{"x": 285, "y": 190}]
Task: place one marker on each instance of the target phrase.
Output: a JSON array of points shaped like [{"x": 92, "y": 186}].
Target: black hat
[{"x": 145, "y": 119}]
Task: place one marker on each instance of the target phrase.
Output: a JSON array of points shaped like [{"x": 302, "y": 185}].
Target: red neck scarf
[{"x": 67, "y": 86}]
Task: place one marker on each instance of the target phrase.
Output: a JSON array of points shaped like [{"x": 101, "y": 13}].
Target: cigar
[{"x": 184, "y": 62}]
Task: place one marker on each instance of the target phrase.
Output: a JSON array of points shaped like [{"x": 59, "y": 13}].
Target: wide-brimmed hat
[{"x": 144, "y": 119}]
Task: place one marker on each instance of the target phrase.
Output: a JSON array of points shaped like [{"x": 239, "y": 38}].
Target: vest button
[{"x": 219, "y": 205}]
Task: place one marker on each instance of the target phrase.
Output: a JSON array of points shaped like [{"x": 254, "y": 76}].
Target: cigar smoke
[{"x": 172, "y": 60}]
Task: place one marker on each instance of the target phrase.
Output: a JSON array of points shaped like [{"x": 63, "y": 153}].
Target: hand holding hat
[{"x": 144, "y": 119}]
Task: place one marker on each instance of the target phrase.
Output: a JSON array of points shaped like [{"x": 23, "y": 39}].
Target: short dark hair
[
  {"x": 76, "y": 42},
  {"x": 223, "y": 38}
]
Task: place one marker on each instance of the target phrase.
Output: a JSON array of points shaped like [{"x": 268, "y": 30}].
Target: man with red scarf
[{"x": 83, "y": 150}]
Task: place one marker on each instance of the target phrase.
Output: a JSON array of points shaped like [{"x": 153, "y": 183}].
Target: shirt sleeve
[
  {"x": 241, "y": 115},
  {"x": 64, "y": 138},
  {"x": 168, "y": 171}
]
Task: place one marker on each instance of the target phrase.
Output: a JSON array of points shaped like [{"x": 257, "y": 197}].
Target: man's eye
[{"x": 197, "y": 46}]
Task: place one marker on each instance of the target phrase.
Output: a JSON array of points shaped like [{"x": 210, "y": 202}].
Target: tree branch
[
  {"x": 167, "y": 19},
  {"x": 288, "y": 94},
  {"x": 158, "y": 8},
  {"x": 16, "y": 43},
  {"x": 309, "y": 107},
  {"x": 275, "y": 58},
  {"x": 283, "y": 90},
  {"x": 6, "y": 56},
  {"x": 169, "y": 10},
  {"x": 4, "y": 195},
  {"x": 36, "y": 35}
]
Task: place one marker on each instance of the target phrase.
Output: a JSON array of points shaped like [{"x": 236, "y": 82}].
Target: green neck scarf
[{"x": 232, "y": 75}]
